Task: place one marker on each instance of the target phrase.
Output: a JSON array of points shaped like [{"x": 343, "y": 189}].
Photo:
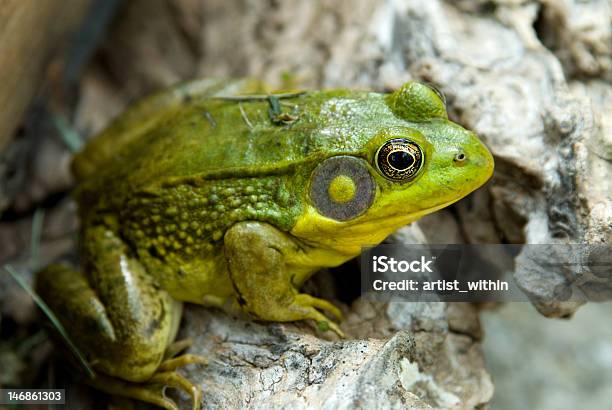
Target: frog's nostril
[{"x": 460, "y": 157}]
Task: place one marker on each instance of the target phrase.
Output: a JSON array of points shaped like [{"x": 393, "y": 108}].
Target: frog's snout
[
  {"x": 476, "y": 156},
  {"x": 482, "y": 159}
]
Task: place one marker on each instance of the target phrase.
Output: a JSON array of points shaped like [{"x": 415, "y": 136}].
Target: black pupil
[{"x": 401, "y": 160}]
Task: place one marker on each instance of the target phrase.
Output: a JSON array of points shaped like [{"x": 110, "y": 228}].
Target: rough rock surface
[
  {"x": 385, "y": 363},
  {"x": 532, "y": 78}
]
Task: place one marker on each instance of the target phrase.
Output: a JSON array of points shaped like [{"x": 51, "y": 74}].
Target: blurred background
[{"x": 538, "y": 363}]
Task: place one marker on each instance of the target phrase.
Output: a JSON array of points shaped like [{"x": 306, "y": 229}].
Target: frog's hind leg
[
  {"x": 120, "y": 320},
  {"x": 153, "y": 389}
]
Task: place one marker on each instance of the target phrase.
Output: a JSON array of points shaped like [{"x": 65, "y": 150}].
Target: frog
[{"x": 228, "y": 194}]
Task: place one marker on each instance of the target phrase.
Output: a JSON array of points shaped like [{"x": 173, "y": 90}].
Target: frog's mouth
[
  {"x": 411, "y": 217},
  {"x": 352, "y": 236},
  {"x": 370, "y": 229},
  {"x": 386, "y": 224},
  {"x": 377, "y": 217}
]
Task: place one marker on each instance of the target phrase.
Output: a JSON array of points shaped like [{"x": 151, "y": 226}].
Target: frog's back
[
  {"x": 213, "y": 136},
  {"x": 142, "y": 117}
]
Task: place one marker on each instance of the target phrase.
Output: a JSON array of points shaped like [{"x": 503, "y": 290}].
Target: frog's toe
[
  {"x": 177, "y": 347},
  {"x": 321, "y": 304},
  {"x": 168, "y": 377},
  {"x": 175, "y": 380},
  {"x": 153, "y": 389},
  {"x": 323, "y": 322},
  {"x": 180, "y": 361},
  {"x": 173, "y": 361},
  {"x": 308, "y": 306},
  {"x": 149, "y": 393}
]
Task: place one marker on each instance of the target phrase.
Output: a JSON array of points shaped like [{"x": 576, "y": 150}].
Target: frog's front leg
[
  {"x": 256, "y": 254},
  {"x": 120, "y": 320}
]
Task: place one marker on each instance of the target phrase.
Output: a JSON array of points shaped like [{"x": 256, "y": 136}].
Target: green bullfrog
[{"x": 224, "y": 194}]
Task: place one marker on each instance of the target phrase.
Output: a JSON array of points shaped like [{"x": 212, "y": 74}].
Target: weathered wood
[{"x": 31, "y": 33}]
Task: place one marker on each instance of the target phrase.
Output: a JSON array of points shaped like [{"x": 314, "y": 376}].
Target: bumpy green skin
[{"x": 208, "y": 198}]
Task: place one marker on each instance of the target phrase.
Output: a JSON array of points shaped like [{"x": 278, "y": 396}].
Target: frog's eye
[
  {"x": 342, "y": 187},
  {"x": 399, "y": 159}
]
